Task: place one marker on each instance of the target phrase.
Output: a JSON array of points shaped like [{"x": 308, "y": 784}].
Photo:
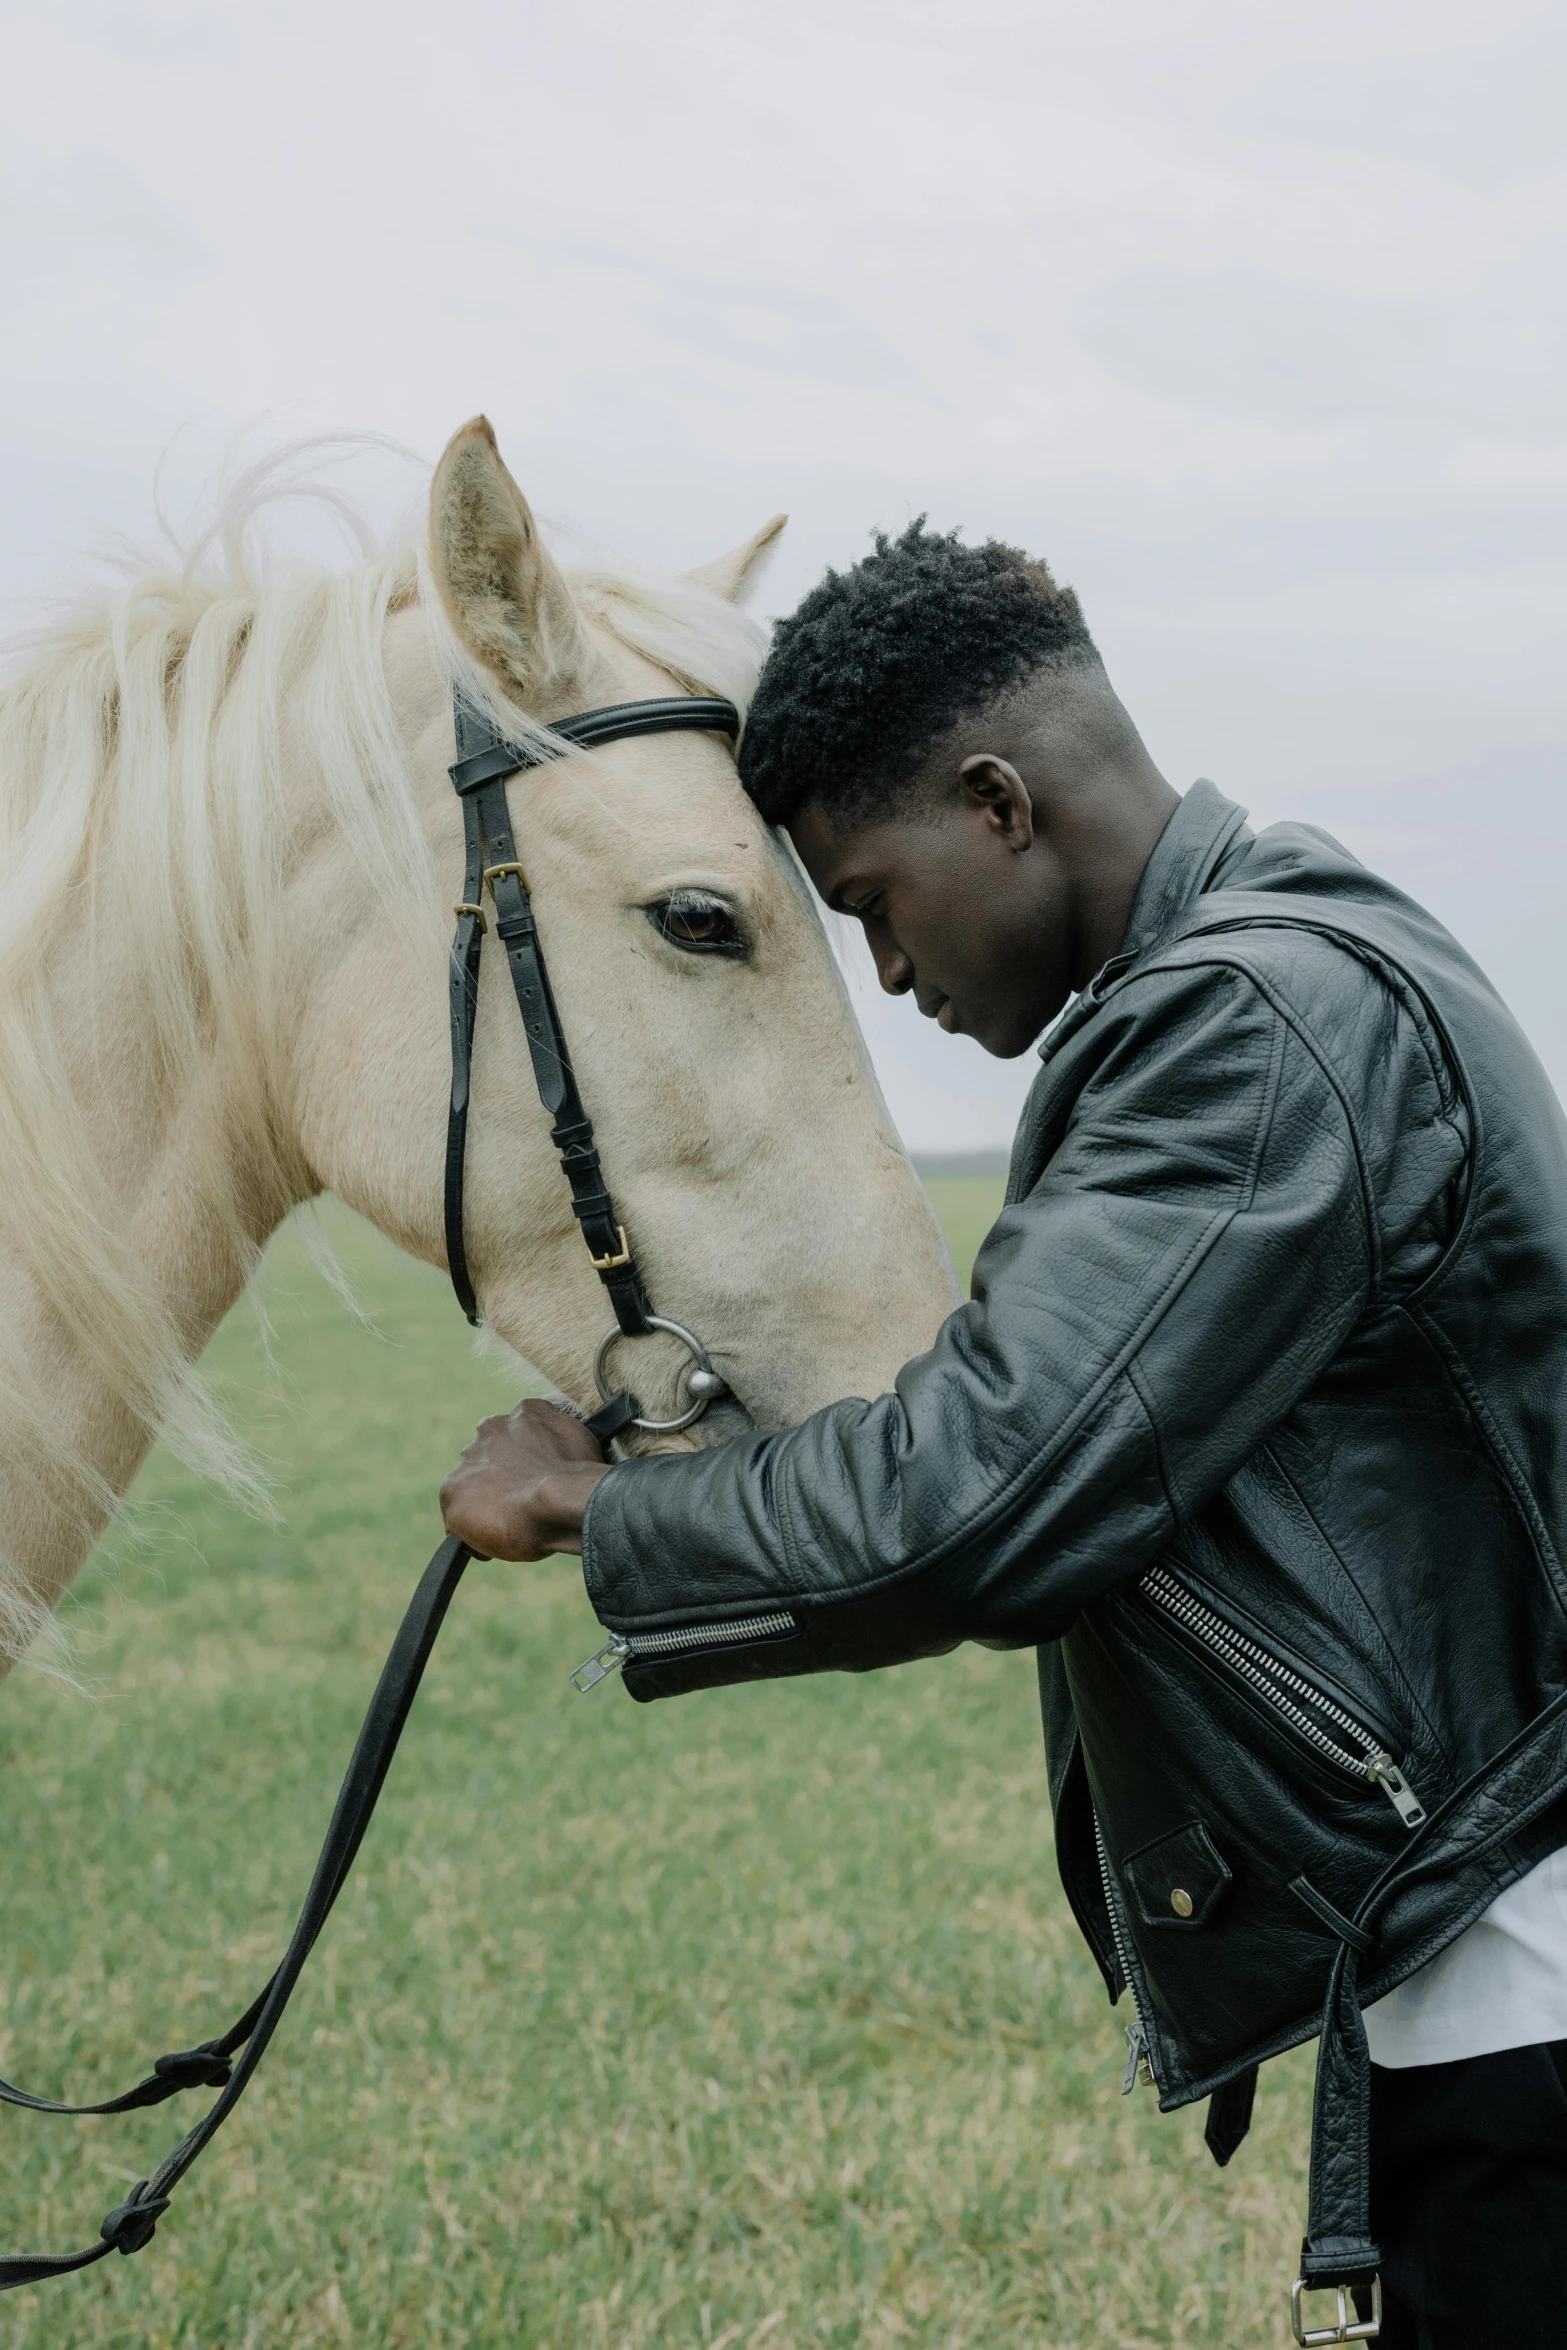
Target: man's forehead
[{"x": 834, "y": 857}]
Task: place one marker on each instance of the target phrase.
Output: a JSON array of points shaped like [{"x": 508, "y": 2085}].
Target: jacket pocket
[
  {"x": 1178, "y": 1881},
  {"x": 1221, "y": 1769},
  {"x": 1316, "y": 1721}
]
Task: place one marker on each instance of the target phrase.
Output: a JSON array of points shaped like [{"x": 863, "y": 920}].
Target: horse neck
[
  {"x": 145, "y": 1185},
  {"x": 147, "y": 1076}
]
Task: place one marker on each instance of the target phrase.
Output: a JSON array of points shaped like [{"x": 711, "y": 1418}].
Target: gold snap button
[{"x": 1181, "y": 1902}]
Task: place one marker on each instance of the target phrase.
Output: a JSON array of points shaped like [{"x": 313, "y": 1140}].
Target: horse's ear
[
  {"x": 503, "y": 592},
  {"x": 733, "y": 576}
]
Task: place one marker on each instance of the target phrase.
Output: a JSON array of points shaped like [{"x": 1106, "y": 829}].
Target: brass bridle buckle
[
  {"x": 1348, "y": 2329},
  {"x": 609, "y": 1264},
  {"x": 490, "y": 872}
]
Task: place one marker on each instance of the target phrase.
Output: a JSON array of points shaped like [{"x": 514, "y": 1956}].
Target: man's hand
[{"x": 521, "y": 1487}]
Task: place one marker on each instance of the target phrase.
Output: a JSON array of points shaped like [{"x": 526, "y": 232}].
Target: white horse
[{"x": 230, "y": 847}]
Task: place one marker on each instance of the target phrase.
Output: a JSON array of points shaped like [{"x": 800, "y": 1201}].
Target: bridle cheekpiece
[{"x": 479, "y": 774}]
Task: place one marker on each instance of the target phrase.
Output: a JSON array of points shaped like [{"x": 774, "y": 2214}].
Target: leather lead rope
[
  {"x": 484, "y": 761},
  {"x": 131, "y": 2224}
]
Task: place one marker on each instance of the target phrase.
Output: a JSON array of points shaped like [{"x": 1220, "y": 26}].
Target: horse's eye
[{"x": 698, "y": 925}]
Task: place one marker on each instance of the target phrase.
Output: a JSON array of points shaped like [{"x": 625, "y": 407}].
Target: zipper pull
[
  {"x": 1139, "y": 2072},
  {"x": 608, "y": 1659},
  {"x": 1384, "y": 1772}
]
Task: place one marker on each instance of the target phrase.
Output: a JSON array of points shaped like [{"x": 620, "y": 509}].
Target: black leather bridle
[{"x": 484, "y": 762}]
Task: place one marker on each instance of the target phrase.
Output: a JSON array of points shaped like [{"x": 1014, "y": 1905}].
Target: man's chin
[
  {"x": 1003, "y": 1040},
  {"x": 1004, "y": 1036}
]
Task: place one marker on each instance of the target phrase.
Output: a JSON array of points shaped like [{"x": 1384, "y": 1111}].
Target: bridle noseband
[{"x": 484, "y": 762}]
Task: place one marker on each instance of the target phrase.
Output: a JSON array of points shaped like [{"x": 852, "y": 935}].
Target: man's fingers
[
  {"x": 497, "y": 1499},
  {"x": 562, "y": 1433}
]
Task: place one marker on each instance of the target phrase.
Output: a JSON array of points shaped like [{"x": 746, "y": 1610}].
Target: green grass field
[{"x": 755, "y": 2018}]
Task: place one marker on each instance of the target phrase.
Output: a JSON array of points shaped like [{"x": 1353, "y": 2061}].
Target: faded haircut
[{"x": 883, "y": 660}]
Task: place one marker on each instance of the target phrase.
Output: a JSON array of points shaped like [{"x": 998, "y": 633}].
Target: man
[{"x": 1254, "y": 1426}]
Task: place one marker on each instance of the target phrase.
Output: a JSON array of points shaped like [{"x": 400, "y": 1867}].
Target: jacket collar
[
  {"x": 1186, "y": 860},
  {"x": 1186, "y": 857}
]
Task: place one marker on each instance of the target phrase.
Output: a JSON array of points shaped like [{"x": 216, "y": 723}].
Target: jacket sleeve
[{"x": 1198, "y": 1247}]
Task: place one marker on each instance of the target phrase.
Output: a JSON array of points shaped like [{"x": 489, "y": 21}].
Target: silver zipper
[
  {"x": 621, "y": 1647},
  {"x": 1139, "y": 2060},
  {"x": 1282, "y": 1688},
  {"x": 601, "y": 1664}
]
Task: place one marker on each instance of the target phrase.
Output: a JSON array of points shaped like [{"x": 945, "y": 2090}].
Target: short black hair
[{"x": 883, "y": 660}]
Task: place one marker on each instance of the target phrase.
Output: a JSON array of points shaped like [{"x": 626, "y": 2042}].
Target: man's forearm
[{"x": 1141, "y": 1319}]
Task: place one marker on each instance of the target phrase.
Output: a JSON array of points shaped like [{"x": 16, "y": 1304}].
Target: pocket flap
[{"x": 1179, "y": 1880}]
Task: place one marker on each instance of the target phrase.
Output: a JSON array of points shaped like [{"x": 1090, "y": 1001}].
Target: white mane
[{"x": 145, "y": 740}]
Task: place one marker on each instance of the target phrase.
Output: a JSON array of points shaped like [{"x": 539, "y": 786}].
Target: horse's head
[{"x": 747, "y": 1147}]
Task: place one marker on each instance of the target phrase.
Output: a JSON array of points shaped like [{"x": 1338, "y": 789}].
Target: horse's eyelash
[{"x": 692, "y": 905}]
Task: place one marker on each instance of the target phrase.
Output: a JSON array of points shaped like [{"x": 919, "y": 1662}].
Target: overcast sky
[{"x": 1249, "y": 318}]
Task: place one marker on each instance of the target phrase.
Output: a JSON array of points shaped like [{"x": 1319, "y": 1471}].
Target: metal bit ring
[{"x": 702, "y": 1382}]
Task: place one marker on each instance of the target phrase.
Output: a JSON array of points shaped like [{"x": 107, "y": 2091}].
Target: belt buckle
[{"x": 1348, "y": 2328}]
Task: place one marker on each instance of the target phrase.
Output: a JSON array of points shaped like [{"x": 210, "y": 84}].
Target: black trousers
[{"x": 1469, "y": 2201}]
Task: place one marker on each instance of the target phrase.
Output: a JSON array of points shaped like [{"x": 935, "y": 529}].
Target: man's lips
[{"x": 939, "y": 1009}]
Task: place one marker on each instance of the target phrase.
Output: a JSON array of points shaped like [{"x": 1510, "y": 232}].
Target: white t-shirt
[{"x": 1502, "y": 1984}]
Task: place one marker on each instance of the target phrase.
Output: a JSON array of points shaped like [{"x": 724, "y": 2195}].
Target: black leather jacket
[{"x": 1255, "y": 1427}]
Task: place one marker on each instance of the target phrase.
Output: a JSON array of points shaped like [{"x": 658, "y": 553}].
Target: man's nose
[{"x": 893, "y": 969}]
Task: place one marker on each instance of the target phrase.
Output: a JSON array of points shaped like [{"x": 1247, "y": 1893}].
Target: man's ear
[
  {"x": 502, "y": 590},
  {"x": 994, "y": 786},
  {"x": 734, "y": 576}
]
